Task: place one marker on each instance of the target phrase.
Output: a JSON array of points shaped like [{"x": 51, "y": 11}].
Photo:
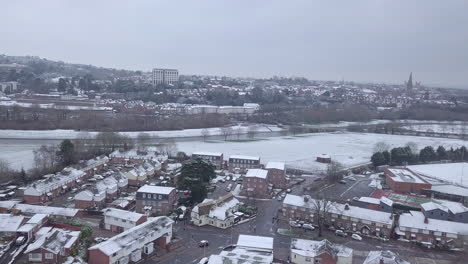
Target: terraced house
[{"x": 340, "y": 216}]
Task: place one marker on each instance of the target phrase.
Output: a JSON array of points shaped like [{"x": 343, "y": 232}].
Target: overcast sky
[{"x": 360, "y": 40}]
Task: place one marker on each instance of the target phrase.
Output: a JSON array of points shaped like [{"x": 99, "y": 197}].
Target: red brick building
[
  {"x": 276, "y": 174},
  {"x": 214, "y": 158},
  {"x": 340, "y": 216},
  {"x": 155, "y": 199},
  {"x": 256, "y": 184},
  {"x": 52, "y": 245},
  {"x": 324, "y": 158},
  {"x": 117, "y": 220},
  {"x": 134, "y": 244},
  {"x": 403, "y": 180},
  {"x": 243, "y": 163},
  {"x": 323, "y": 252}
]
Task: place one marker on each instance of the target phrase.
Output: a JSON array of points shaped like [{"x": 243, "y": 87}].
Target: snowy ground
[
  {"x": 300, "y": 152},
  {"x": 442, "y": 127},
  {"x": 71, "y": 134}
]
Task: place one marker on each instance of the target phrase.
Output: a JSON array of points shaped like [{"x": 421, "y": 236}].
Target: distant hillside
[{"x": 51, "y": 69}]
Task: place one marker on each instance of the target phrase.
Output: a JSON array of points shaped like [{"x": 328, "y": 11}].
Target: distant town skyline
[{"x": 364, "y": 41}]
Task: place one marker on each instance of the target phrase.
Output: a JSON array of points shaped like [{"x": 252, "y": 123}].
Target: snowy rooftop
[
  {"x": 415, "y": 219},
  {"x": 54, "y": 182},
  {"x": 156, "y": 189},
  {"x": 388, "y": 257},
  {"x": 313, "y": 248},
  {"x": 255, "y": 242},
  {"x": 258, "y": 173},
  {"x": 404, "y": 175},
  {"x": 151, "y": 230},
  {"x": 241, "y": 256},
  {"x": 222, "y": 210},
  {"x": 369, "y": 200},
  {"x": 10, "y": 223},
  {"x": 386, "y": 201},
  {"x": 433, "y": 206},
  {"x": 241, "y": 157},
  {"x": 450, "y": 189},
  {"x": 454, "y": 207},
  {"x": 275, "y": 165},
  {"x": 336, "y": 208},
  {"x": 201, "y": 153},
  {"x": 54, "y": 240},
  {"x": 38, "y": 209},
  {"x": 449, "y": 172},
  {"x": 122, "y": 214}
]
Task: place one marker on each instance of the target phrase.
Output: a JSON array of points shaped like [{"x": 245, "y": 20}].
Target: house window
[
  {"x": 317, "y": 260},
  {"x": 144, "y": 195},
  {"x": 49, "y": 256},
  {"x": 308, "y": 259},
  {"x": 35, "y": 256}
]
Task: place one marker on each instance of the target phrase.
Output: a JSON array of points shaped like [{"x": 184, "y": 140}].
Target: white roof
[
  {"x": 275, "y": 165},
  {"x": 242, "y": 256},
  {"x": 255, "y": 242},
  {"x": 454, "y": 207},
  {"x": 244, "y": 157},
  {"x": 404, "y": 175},
  {"x": 429, "y": 206},
  {"x": 336, "y": 208},
  {"x": 386, "y": 201},
  {"x": 122, "y": 214},
  {"x": 54, "y": 182},
  {"x": 415, "y": 219},
  {"x": 450, "y": 189},
  {"x": 202, "y": 153},
  {"x": 259, "y": 173},
  {"x": 449, "y": 172},
  {"x": 10, "y": 223},
  {"x": 387, "y": 256},
  {"x": 133, "y": 235},
  {"x": 156, "y": 189},
  {"x": 221, "y": 211},
  {"x": 313, "y": 248},
  {"x": 369, "y": 200},
  {"x": 54, "y": 240},
  {"x": 38, "y": 209}
]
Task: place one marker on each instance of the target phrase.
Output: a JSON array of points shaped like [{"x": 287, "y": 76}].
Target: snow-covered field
[
  {"x": 300, "y": 152},
  {"x": 71, "y": 134},
  {"x": 449, "y": 128}
]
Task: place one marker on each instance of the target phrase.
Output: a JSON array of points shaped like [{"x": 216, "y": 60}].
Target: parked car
[
  {"x": 340, "y": 233},
  {"x": 203, "y": 243},
  {"x": 279, "y": 198},
  {"x": 342, "y": 181},
  {"x": 308, "y": 227},
  {"x": 356, "y": 237},
  {"x": 20, "y": 240},
  {"x": 222, "y": 180},
  {"x": 288, "y": 190},
  {"x": 203, "y": 261},
  {"x": 294, "y": 224},
  {"x": 356, "y": 198}
]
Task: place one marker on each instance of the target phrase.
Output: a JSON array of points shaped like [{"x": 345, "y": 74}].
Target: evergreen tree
[
  {"x": 195, "y": 175},
  {"x": 442, "y": 153},
  {"x": 378, "y": 159},
  {"x": 66, "y": 153},
  {"x": 427, "y": 154}
]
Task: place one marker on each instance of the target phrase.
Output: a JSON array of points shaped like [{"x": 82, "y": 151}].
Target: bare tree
[
  {"x": 45, "y": 158},
  {"x": 142, "y": 140},
  {"x": 321, "y": 208},
  {"x": 205, "y": 134},
  {"x": 169, "y": 148},
  {"x": 252, "y": 131},
  {"x": 381, "y": 146},
  {"x": 226, "y": 132},
  {"x": 334, "y": 171},
  {"x": 463, "y": 129},
  {"x": 238, "y": 132},
  {"x": 413, "y": 147}
]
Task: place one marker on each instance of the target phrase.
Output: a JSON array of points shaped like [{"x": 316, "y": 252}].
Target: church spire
[{"x": 409, "y": 84}]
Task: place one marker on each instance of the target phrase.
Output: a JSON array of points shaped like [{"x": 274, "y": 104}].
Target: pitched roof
[
  {"x": 388, "y": 257},
  {"x": 156, "y": 189},
  {"x": 258, "y": 173}
]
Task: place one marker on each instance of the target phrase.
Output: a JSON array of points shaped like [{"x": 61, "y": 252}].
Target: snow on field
[
  {"x": 71, "y": 134},
  {"x": 301, "y": 151},
  {"x": 442, "y": 127}
]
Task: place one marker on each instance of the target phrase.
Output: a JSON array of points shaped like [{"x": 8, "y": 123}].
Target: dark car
[{"x": 203, "y": 243}]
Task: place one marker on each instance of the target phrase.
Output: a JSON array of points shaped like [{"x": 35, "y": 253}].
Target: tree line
[{"x": 410, "y": 154}]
